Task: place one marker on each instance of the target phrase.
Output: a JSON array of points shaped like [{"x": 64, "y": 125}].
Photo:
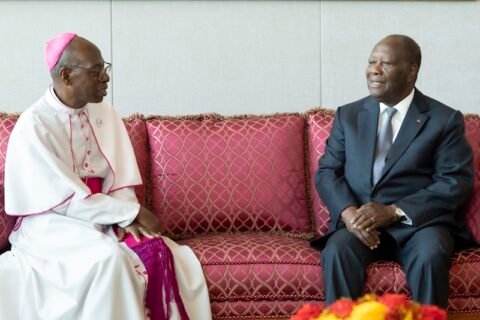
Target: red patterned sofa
[{"x": 238, "y": 191}]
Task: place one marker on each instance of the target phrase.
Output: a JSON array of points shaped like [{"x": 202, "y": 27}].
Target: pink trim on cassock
[
  {"x": 18, "y": 223},
  {"x": 103, "y": 154},
  {"x": 36, "y": 213},
  {"x": 119, "y": 188},
  {"x": 71, "y": 143},
  {"x": 145, "y": 316}
]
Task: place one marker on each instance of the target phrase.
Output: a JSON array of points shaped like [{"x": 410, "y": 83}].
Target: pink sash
[
  {"x": 158, "y": 260},
  {"x": 93, "y": 183}
]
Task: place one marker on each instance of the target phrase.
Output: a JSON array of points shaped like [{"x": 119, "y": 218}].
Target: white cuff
[{"x": 403, "y": 216}]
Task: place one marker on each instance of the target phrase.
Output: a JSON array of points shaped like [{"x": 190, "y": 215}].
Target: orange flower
[
  {"x": 342, "y": 307},
  {"x": 307, "y": 312}
]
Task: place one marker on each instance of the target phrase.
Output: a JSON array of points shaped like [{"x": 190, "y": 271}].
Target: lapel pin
[{"x": 419, "y": 121}]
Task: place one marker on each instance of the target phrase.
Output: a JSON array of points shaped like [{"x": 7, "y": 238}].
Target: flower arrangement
[{"x": 372, "y": 307}]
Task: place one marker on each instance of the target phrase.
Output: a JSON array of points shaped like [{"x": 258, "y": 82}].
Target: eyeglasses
[{"x": 107, "y": 67}]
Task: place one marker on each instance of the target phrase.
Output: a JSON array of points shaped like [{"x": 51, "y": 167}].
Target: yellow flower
[
  {"x": 409, "y": 315},
  {"x": 368, "y": 310},
  {"x": 327, "y": 316}
]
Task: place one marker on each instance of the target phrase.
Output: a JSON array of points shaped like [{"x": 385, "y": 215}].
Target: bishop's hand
[{"x": 146, "y": 224}]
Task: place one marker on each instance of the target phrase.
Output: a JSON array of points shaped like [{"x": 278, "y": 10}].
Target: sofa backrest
[
  {"x": 213, "y": 174},
  {"x": 472, "y": 132},
  {"x": 137, "y": 132},
  {"x": 319, "y": 124},
  {"x": 7, "y": 122}
]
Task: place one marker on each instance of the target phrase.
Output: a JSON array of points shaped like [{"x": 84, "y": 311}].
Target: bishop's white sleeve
[{"x": 119, "y": 207}]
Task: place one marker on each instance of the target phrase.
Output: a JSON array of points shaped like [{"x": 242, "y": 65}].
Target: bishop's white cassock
[{"x": 65, "y": 261}]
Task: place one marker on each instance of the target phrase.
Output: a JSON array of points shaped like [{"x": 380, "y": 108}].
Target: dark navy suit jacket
[{"x": 428, "y": 172}]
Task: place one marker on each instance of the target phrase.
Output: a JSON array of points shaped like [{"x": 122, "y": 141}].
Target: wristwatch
[{"x": 399, "y": 213}]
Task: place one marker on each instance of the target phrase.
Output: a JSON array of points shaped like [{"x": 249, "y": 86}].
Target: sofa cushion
[
  {"x": 213, "y": 174},
  {"x": 472, "y": 132},
  {"x": 258, "y": 274},
  {"x": 465, "y": 281},
  {"x": 319, "y": 123},
  {"x": 254, "y": 275},
  {"x": 137, "y": 132},
  {"x": 7, "y": 122}
]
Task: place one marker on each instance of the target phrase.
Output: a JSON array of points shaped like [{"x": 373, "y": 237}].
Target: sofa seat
[
  {"x": 251, "y": 276},
  {"x": 464, "y": 294}
]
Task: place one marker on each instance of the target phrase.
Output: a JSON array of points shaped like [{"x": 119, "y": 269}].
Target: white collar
[
  {"x": 58, "y": 105},
  {"x": 403, "y": 106}
]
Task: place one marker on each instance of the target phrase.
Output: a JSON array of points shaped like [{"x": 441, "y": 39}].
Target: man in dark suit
[{"x": 396, "y": 171}]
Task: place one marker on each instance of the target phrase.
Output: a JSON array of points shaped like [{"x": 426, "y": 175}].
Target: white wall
[
  {"x": 448, "y": 33},
  {"x": 25, "y": 26},
  {"x": 223, "y": 56},
  {"x": 230, "y": 57}
]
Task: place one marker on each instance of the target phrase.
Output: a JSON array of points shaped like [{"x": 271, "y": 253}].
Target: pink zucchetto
[{"x": 56, "y": 46}]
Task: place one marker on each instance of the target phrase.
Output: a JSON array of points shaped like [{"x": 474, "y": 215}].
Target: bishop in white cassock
[{"x": 66, "y": 261}]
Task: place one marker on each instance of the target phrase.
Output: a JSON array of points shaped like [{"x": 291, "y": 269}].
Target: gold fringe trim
[
  {"x": 134, "y": 116},
  {"x": 321, "y": 111},
  {"x": 471, "y": 116},
  {"x": 307, "y": 173},
  {"x": 219, "y": 117},
  {"x": 4, "y": 115}
]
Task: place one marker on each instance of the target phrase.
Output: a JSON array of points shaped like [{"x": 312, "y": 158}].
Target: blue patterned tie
[{"x": 384, "y": 142}]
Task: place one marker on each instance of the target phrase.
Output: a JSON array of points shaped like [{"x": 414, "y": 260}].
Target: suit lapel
[
  {"x": 413, "y": 122},
  {"x": 367, "y": 124}
]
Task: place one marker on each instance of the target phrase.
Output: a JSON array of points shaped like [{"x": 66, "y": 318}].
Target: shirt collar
[
  {"x": 58, "y": 105},
  {"x": 403, "y": 106}
]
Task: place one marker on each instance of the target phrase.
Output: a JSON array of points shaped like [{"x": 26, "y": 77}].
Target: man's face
[
  {"x": 89, "y": 80},
  {"x": 390, "y": 74}
]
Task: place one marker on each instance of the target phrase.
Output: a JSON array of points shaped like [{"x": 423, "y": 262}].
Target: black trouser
[{"x": 425, "y": 257}]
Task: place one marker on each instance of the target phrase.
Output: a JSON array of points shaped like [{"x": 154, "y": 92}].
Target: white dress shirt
[{"x": 397, "y": 120}]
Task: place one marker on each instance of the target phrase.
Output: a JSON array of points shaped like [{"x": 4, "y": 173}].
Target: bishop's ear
[{"x": 65, "y": 75}]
